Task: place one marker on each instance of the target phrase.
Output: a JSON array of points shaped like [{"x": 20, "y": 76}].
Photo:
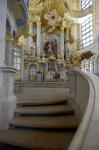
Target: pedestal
[
  {"x": 7, "y": 97},
  {"x": 49, "y": 76},
  {"x": 63, "y": 75}
]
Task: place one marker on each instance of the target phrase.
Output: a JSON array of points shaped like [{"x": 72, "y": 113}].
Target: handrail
[{"x": 82, "y": 130}]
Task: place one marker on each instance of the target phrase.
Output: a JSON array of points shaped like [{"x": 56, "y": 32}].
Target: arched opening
[
  {"x": 33, "y": 72},
  {"x": 51, "y": 66}
]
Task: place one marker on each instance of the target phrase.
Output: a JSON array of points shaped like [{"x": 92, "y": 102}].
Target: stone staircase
[
  {"x": 44, "y": 84},
  {"x": 42, "y": 125}
]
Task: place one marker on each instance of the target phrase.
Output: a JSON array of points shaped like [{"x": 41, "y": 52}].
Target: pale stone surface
[
  {"x": 92, "y": 140},
  {"x": 43, "y": 94},
  {"x": 62, "y": 44},
  {"x": 49, "y": 75},
  {"x": 7, "y": 98},
  {"x": 3, "y": 14},
  {"x": 38, "y": 38},
  {"x": 63, "y": 75}
]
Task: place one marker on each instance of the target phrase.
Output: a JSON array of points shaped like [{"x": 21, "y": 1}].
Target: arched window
[
  {"x": 16, "y": 58},
  {"x": 87, "y": 25},
  {"x": 33, "y": 70},
  {"x": 85, "y": 3}
]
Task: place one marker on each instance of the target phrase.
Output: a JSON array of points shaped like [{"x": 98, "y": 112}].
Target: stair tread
[
  {"x": 53, "y": 122},
  {"x": 36, "y": 140},
  {"x": 40, "y": 103},
  {"x": 53, "y": 109}
]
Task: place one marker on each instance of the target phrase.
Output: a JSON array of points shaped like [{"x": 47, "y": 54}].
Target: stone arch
[{"x": 33, "y": 68}]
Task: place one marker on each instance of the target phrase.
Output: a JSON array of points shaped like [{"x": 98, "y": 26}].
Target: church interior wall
[{"x": 7, "y": 97}]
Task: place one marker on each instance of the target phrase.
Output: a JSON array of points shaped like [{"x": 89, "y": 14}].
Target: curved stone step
[
  {"x": 36, "y": 140},
  {"x": 45, "y": 122},
  {"x": 44, "y": 84},
  {"x": 45, "y": 110},
  {"x": 41, "y": 103}
]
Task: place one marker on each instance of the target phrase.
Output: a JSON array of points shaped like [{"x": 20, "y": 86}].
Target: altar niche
[
  {"x": 52, "y": 70},
  {"x": 51, "y": 48}
]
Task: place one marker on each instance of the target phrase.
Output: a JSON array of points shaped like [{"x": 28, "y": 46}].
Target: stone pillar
[
  {"x": 8, "y": 57},
  {"x": 7, "y": 98},
  {"x": 95, "y": 18},
  {"x": 30, "y": 35},
  {"x": 62, "y": 43},
  {"x": 22, "y": 65},
  {"x": 38, "y": 38},
  {"x": 3, "y": 14},
  {"x": 67, "y": 43}
]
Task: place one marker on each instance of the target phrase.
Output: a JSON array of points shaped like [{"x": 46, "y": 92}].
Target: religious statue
[
  {"x": 51, "y": 66},
  {"x": 51, "y": 48}
]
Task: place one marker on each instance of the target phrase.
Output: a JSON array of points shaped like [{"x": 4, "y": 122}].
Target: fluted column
[
  {"x": 30, "y": 35},
  {"x": 38, "y": 38},
  {"x": 62, "y": 42}
]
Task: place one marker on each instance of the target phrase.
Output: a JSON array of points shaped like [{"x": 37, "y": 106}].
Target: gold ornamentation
[
  {"x": 9, "y": 38},
  {"x": 77, "y": 56},
  {"x": 31, "y": 24},
  {"x": 38, "y": 23},
  {"x": 21, "y": 41},
  {"x": 53, "y": 17}
]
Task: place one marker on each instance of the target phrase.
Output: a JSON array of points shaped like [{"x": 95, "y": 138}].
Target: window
[
  {"x": 85, "y": 3},
  {"x": 87, "y": 30},
  {"x": 87, "y": 26},
  {"x": 16, "y": 58}
]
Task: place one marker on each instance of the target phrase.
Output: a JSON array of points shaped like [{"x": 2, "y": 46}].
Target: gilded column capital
[
  {"x": 62, "y": 28},
  {"x": 38, "y": 23},
  {"x": 31, "y": 23},
  {"x": 9, "y": 38}
]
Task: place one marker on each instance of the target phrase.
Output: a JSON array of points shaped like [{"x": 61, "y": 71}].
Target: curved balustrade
[{"x": 85, "y": 89}]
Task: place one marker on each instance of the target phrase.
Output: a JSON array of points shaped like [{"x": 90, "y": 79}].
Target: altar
[{"x": 47, "y": 43}]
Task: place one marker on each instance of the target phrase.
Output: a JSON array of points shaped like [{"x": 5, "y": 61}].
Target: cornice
[{"x": 82, "y": 13}]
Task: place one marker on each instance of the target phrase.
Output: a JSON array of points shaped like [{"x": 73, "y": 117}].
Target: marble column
[
  {"x": 38, "y": 38},
  {"x": 7, "y": 98},
  {"x": 30, "y": 35},
  {"x": 3, "y": 14},
  {"x": 22, "y": 64},
  {"x": 67, "y": 43},
  {"x": 8, "y": 57},
  {"x": 62, "y": 43}
]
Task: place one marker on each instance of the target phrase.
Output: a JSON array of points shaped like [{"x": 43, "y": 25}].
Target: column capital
[
  {"x": 31, "y": 23},
  {"x": 67, "y": 29},
  {"x": 62, "y": 28},
  {"x": 9, "y": 38},
  {"x": 38, "y": 23}
]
